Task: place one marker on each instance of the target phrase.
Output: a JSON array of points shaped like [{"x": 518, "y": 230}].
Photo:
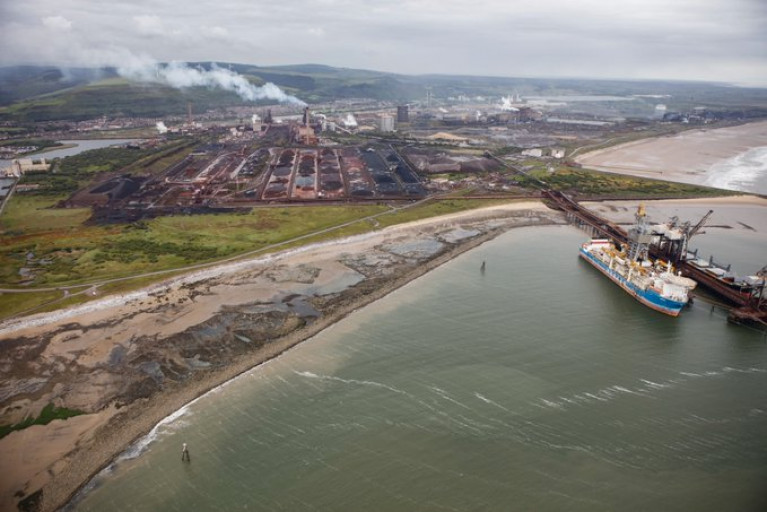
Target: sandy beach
[
  {"x": 129, "y": 361},
  {"x": 687, "y": 157}
]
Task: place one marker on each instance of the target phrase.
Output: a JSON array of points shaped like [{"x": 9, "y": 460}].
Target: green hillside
[{"x": 31, "y": 93}]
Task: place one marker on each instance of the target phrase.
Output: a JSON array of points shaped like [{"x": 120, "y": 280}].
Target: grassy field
[
  {"x": 60, "y": 251},
  {"x": 16, "y": 303},
  {"x": 30, "y": 215},
  {"x": 57, "y": 249}
]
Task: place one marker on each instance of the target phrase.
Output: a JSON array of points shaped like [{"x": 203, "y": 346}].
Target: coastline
[
  {"x": 98, "y": 438},
  {"x": 113, "y": 430},
  {"x": 686, "y": 157}
]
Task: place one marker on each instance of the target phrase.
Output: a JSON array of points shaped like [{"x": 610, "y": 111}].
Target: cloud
[
  {"x": 149, "y": 25},
  {"x": 683, "y": 39},
  {"x": 57, "y": 23},
  {"x": 216, "y": 32}
]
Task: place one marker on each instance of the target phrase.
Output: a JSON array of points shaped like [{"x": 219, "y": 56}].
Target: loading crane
[{"x": 689, "y": 232}]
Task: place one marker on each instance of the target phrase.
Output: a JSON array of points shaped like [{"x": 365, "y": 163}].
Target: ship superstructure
[{"x": 651, "y": 282}]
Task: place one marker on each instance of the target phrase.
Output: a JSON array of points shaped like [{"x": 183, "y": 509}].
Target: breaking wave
[{"x": 746, "y": 172}]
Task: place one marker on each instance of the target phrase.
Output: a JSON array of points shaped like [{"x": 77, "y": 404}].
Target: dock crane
[
  {"x": 676, "y": 247},
  {"x": 689, "y": 232},
  {"x": 699, "y": 225}
]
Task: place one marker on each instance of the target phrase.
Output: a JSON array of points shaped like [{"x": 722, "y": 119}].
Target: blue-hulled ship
[{"x": 651, "y": 282}]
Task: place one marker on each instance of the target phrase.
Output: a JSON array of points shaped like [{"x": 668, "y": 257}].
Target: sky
[{"x": 713, "y": 40}]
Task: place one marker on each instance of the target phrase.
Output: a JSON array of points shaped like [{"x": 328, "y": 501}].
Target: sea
[
  {"x": 536, "y": 384},
  {"x": 746, "y": 172}
]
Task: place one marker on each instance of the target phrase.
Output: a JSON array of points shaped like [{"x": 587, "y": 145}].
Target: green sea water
[{"x": 537, "y": 385}]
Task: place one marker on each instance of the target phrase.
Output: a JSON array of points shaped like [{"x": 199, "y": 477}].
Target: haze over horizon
[{"x": 709, "y": 40}]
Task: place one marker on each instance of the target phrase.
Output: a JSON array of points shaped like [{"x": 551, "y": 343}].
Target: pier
[{"x": 746, "y": 305}]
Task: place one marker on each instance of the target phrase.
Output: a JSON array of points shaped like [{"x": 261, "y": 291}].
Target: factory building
[
  {"x": 403, "y": 114},
  {"x": 386, "y": 123},
  {"x": 24, "y": 165}
]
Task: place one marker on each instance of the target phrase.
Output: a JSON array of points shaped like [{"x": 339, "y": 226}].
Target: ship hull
[{"x": 649, "y": 298}]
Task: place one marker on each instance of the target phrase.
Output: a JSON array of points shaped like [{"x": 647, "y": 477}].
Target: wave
[
  {"x": 746, "y": 172},
  {"x": 646, "y": 388},
  {"x": 167, "y": 425},
  {"x": 312, "y": 375},
  {"x": 491, "y": 402}
]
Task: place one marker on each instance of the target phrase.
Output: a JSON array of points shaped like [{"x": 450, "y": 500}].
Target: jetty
[{"x": 747, "y": 304}]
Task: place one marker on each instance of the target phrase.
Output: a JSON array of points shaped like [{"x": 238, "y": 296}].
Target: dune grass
[{"x": 61, "y": 251}]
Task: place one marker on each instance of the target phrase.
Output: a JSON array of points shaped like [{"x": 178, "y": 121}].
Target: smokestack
[{"x": 189, "y": 112}]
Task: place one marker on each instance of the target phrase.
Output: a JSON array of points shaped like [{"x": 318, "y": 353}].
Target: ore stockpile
[
  {"x": 219, "y": 177},
  {"x": 338, "y": 173}
]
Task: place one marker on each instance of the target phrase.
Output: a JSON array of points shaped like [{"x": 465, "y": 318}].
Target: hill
[{"x": 44, "y": 93}]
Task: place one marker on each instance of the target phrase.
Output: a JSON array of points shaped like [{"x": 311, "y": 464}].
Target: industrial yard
[{"x": 235, "y": 176}]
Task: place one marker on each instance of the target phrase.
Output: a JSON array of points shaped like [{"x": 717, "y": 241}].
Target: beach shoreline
[
  {"x": 685, "y": 157},
  {"x": 98, "y": 438}
]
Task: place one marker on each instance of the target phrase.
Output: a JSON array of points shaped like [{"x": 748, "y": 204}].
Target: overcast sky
[{"x": 719, "y": 40}]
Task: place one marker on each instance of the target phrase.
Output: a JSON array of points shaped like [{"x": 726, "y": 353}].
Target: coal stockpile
[
  {"x": 331, "y": 183},
  {"x": 374, "y": 163},
  {"x": 305, "y": 178},
  {"x": 361, "y": 191},
  {"x": 286, "y": 158},
  {"x": 250, "y": 168},
  {"x": 307, "y": 165},
  {"x": 411, "y": 184},
  {"x": 279, "y": 179},
  {"x": 185, "y": 170},
  {"x": 113, "y": 190},
  {"x": 385, "y": 183},
  {"x": 282, "y": 171},
  {"x": 359, "y": 185},
  {"x": 275, "y": 191},
  {"x": 119, "y": 188},
  {"x": 414, "y": 190},
  {"x": 305, "y": 182}
]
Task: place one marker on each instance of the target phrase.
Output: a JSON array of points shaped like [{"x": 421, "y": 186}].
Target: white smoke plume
[
  {"x": 180, "y": 75},
  {"x": 161, "y": 128}
]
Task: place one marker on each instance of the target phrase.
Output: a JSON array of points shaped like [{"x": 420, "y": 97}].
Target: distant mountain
[
  {"x": 21, "y": 82},
  {"x": 39, "y": 93}
]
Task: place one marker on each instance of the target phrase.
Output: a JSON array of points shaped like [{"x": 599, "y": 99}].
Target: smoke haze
[{"x": 181, "y": 75}]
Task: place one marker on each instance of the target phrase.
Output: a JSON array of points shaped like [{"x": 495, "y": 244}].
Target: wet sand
[
  {"x": 744, "y": 212},
  {"x": 686, "y": 157},
  {"x": 104, "y": 357}
]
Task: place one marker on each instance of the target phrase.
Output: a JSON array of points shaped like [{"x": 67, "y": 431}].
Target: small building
[
  {"x": 535, "y": 152},
  {"x": 558, "y": 152}
]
